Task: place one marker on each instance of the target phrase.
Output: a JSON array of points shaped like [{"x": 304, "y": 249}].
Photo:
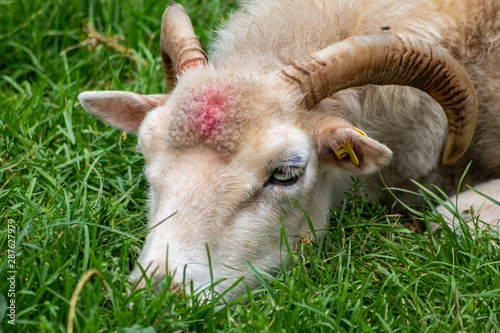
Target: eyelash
[{"x": 290, "y": 176}]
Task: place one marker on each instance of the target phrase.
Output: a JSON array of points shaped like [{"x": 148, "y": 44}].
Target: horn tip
[
  {"x": 449, "y": 160},
  {"x": 455, "y": 149}
]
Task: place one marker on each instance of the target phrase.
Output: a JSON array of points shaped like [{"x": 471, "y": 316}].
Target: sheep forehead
[{"x": 210, "y": 114}]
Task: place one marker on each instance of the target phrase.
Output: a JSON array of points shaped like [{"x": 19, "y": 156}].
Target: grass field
[{"x": 72, "y": 198}]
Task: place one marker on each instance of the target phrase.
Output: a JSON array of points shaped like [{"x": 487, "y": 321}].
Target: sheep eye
[{"x": 284, "y": 176}]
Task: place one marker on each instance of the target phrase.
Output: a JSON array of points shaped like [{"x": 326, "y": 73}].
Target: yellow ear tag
[
  {"x": 360, "y": 131},
  {"x": 346, "y": 149}
]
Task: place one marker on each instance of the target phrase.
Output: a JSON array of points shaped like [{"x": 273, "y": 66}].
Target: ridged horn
[
  {"x": 391, "y": 59},
  {"x": 179, "y": 47}
]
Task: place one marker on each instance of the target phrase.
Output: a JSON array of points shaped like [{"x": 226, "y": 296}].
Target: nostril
[
  {"x": 175, "y": 287},
  {"x": 158, "y": 282},
  {"x": 161, "y": 281}
]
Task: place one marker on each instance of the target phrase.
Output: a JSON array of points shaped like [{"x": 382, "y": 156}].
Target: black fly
[{"x": 385, "y": 28}]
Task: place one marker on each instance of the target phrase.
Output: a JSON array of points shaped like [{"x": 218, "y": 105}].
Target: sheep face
[{"x": 231, "y": 162}]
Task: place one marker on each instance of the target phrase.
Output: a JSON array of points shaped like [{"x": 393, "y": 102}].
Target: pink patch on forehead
[
  {"x": 211, "y": 115},
  {"x": 211, "y": 109}
]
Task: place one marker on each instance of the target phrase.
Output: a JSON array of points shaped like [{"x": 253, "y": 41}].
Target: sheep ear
[
  {"x": 120, "y": 109},
  {"x": 350, "y": 149}
]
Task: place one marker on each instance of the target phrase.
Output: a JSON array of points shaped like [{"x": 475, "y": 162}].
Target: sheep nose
[{"x": 161, "y": 281}]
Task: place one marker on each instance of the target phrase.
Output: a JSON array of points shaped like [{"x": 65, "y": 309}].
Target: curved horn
[
  {"x": 391, "y": 59},
  {"x": 180, "y": 48}
]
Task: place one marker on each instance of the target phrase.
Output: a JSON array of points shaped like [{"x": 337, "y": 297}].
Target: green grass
[{"x": 75, "y": 190}]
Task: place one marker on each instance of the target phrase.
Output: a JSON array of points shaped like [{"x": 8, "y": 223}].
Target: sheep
[{"x": 299, "y": 97}]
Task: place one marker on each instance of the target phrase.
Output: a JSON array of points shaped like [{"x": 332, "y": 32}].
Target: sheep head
[{"x": 231, "y": 156}]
